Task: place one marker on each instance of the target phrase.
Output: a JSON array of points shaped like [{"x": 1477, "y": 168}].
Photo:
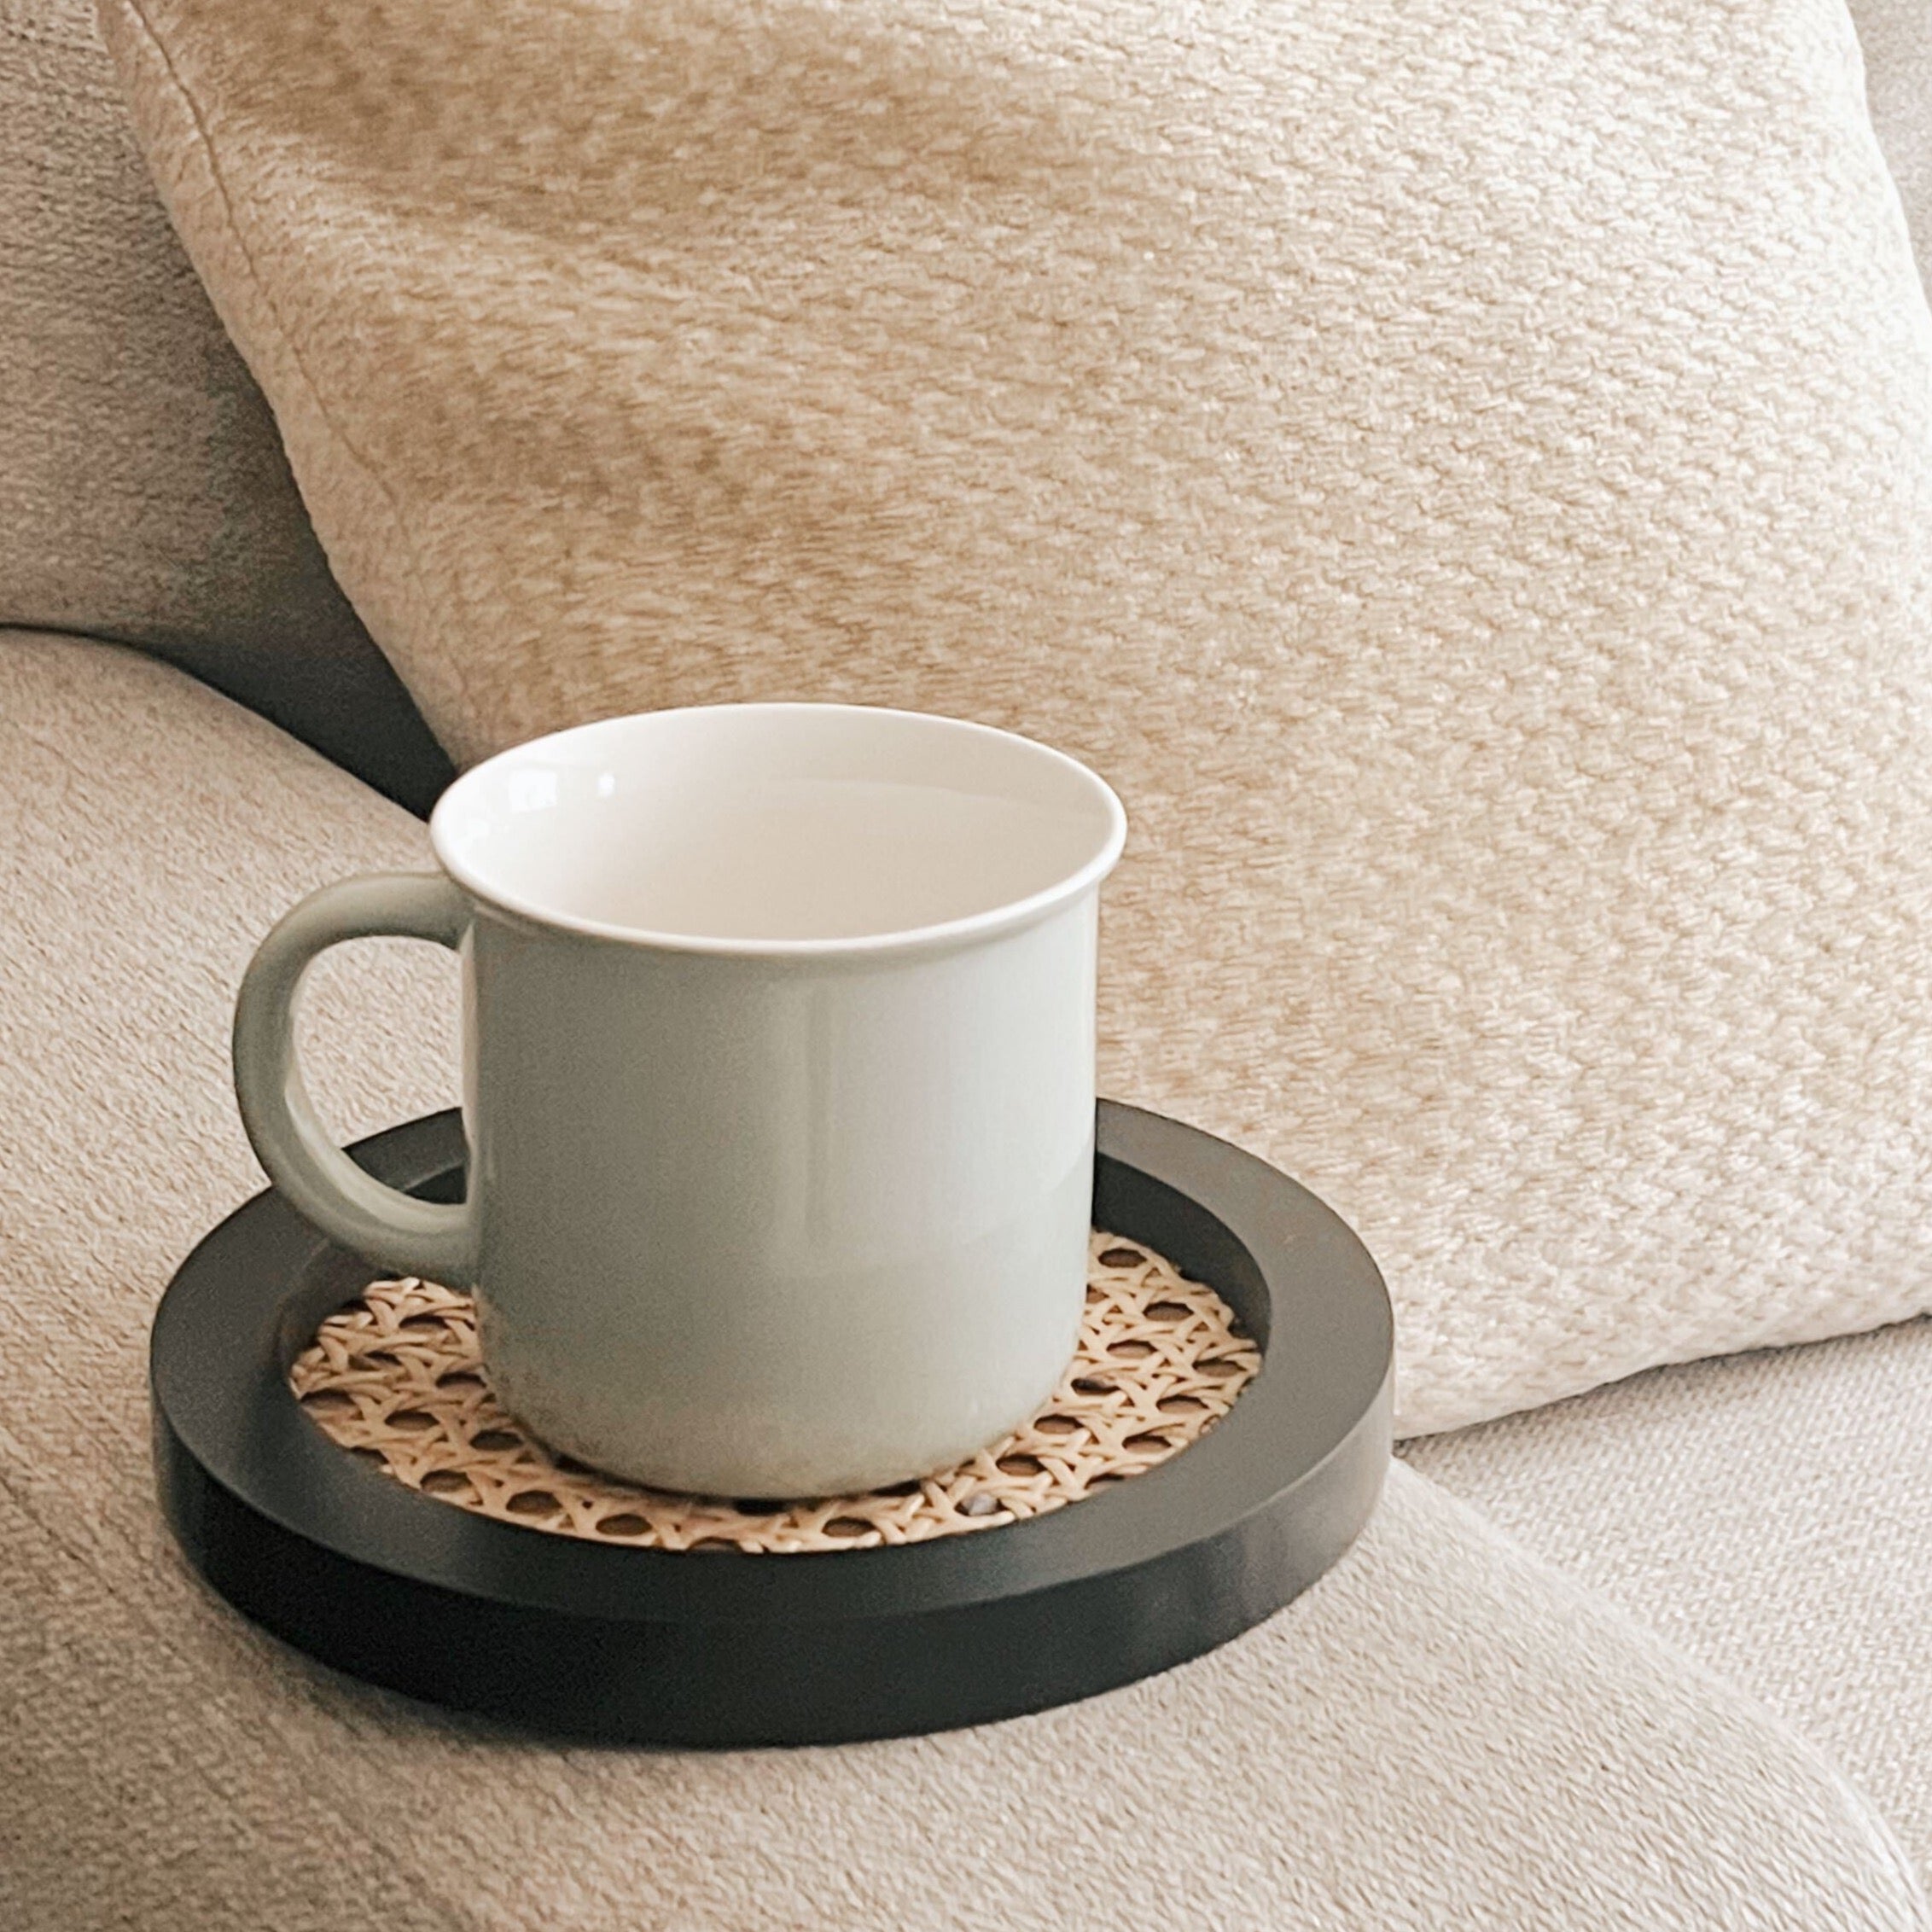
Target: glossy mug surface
[{"x": 779, "y": 1084}]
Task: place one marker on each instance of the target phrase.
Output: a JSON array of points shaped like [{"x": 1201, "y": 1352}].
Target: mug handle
[{"x": 381, "y": 1224}]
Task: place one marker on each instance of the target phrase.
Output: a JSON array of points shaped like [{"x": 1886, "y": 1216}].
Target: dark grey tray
[{"x": 578, "y": 1639}]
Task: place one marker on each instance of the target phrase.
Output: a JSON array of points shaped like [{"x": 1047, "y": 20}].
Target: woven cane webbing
[{"x": 396, "y": 1378}]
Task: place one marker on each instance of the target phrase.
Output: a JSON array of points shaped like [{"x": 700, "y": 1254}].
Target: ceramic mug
[{"x": 778, "y": 1085}]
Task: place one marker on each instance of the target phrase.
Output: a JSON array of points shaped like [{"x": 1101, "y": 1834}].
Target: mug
[{"x": 778, "y": 1085}]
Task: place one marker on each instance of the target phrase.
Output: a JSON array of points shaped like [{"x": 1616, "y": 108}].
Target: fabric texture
[
  {"x": 143, "y": 491},
  {"x": 1896, "y": 36},
  {"x": 1769, "y": 1514},
  {"x": 1442, "y": 1735},
  {"x": 1464, "y": 475}
]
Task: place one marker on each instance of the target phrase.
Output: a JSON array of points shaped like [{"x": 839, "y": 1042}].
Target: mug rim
[{"x": 942, "y": 934}]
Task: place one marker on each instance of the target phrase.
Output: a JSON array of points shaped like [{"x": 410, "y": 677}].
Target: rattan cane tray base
[
  {"x": 616, "y": 1636},
  {"x": 397, "y": 1378}
]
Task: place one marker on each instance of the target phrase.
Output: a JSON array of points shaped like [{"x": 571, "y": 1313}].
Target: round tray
[{"x": 577, "y": 1640}]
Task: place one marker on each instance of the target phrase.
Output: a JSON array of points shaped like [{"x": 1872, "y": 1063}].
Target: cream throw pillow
[{"x": 1464, "y": 474}]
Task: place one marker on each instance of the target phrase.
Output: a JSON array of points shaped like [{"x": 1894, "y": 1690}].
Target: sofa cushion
[
  {"x": 1441, "y": 1734},
  {"x": 1465, "y": 475},
  {"x": 1769, "y": 1514},
  {"x": 144, "y": 492},
  {"x": 1896, "y": 38}
]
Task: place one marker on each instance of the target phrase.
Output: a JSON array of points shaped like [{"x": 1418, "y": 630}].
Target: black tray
[{"x": 577, "y": 1640}]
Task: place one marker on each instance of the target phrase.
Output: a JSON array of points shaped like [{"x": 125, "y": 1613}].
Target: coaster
[{"x": 397, "y": 1378}]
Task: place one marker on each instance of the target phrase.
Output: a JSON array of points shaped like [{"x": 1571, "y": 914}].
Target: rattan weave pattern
[{"x": 396, "y": 1377}]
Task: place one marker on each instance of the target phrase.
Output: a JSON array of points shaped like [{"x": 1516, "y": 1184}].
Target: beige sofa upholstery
[
  {"x": 1896, "y": 36},
  {"x": 1442, "y": 1734},
  {"x": 143, "y": 492},
  {"x": 1769, "y": 1514},
  {"x": 1445, "y": 1733}
]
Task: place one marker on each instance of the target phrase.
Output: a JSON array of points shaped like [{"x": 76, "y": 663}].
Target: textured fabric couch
[{"x": 1648, "y": 1657}]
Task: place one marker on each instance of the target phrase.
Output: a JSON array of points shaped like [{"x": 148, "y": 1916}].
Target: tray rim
[{"x": 1249, "y": 1515}]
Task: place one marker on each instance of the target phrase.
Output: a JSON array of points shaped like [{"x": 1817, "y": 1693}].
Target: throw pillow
[{"x": 1463, "y": 474}]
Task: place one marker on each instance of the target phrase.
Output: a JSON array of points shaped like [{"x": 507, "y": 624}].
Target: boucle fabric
[
  {"x": 1770, "y": 1515},
  {"x": 1443, "y": 1735},
  {"x": 143, "y": 492},
  {"x": 1463, "y": 474}
]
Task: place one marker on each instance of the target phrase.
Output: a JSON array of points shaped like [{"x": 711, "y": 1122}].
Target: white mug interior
[{"x": 779, "y": 827}]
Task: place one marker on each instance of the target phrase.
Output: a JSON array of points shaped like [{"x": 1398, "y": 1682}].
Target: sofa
[{"x": 1618, "y": 1650}]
